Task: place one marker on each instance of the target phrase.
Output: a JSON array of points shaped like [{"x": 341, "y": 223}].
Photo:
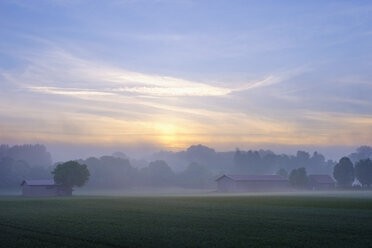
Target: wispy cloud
[
  {"x": 112, "y": 105},
  {"x": 262, "y": 83},
  {"x": 47, "y": 72},
  {"x": 68, "y": 91}
]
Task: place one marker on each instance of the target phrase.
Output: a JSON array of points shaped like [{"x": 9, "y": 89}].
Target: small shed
[
  {"x": 242, "y": 183},
  {"x": 44, "y": 188},
  {"x": 321, "y": 182}
]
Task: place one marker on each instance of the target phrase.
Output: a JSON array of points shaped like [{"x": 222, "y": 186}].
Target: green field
[{"x": 187, "y": 221}]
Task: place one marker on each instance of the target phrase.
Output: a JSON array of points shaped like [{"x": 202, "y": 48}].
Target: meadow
[{"x": 187, "y": 221}]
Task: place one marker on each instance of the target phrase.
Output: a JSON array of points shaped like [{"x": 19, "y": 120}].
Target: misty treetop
[
  {"x": 33, "y": 155},
  {"x": 158, "y": 173},
  {"x": 110, "y": 172},
  {"x": 216, "y": 161},
  {"x": 267, "y": 162},
  {"x": 362, "y": 152},
  {"x": 247, "y": 162},
  {"x": 254, "y": 161}
]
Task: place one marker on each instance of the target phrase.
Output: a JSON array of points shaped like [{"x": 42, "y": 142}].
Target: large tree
[
  {"x": 71, "y": 174},
  {"x": 298, "y": 178},
  {"x": 363, "y": 172},
  {"x": 343, "y": 172}
]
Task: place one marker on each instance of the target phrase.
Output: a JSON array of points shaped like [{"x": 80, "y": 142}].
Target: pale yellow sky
[{"x": 58, "y": 97}]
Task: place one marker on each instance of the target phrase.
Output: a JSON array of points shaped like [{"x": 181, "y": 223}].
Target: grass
[{"x": 212, "y": 221}]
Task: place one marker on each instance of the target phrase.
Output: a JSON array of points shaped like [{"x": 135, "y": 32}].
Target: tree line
[
  {"x": 200, "y": 166},
  {"x": 345, "y": 172},
  {"x": 158, "y": 173}
]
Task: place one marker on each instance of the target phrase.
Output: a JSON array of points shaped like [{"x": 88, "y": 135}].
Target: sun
[{"x": 167, "y": 133}]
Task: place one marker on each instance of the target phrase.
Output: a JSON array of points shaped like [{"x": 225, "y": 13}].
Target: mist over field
[{"x": 192, "y": 171}]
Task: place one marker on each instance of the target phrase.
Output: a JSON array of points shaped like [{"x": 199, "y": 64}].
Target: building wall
[
  {"x": 39, "y": 191},
  {"x": 45, "y": 191}
]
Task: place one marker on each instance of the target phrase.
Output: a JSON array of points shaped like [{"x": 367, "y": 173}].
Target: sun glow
[
  {"x": 85, "y": 102},
  {"x": 166, "y": 133}
]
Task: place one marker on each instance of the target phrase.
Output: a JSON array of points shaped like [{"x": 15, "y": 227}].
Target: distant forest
[{"x": 196, "y": 167}]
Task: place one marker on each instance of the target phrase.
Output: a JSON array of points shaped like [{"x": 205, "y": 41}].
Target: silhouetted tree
[
  {"x": 200, "y": 153},
  {"x": 194, "y": 176},
  {"x": 158, "y": 173},
  {"x": 71, "y": 174},
  {"x": 363, "y": 172},
  {"x": 110, "y": 172},
  {"x": 298, "y": 178},
  {"x": 343, "y": 172}
]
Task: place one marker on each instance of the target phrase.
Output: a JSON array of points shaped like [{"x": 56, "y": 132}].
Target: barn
[
  {"x": 244, "y": 183},
  {"x": 321, "y": 182},
  {"x": 44, "y": 188}
]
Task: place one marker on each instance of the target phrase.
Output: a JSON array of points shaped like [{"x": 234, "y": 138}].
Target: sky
[{"x": 166, "y": 74}]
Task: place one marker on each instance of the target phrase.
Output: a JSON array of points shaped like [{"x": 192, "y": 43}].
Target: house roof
[
  {"x": 47, "y": 182},
  {"x": 254, "y": 178},
  {"x": 321, "y": 178}
]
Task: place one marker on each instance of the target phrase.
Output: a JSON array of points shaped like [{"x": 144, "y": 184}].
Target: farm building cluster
[{"x": 243, "y": 183}]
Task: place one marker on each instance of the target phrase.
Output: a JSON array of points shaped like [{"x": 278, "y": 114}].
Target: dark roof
[
  {"x": 254, "y": 178},
  {"x": 321, "y": 178},
  {"x": 47, "y": 182}
]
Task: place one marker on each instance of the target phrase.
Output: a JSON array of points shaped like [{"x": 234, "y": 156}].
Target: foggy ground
[{"x": 179, "y": 192}]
